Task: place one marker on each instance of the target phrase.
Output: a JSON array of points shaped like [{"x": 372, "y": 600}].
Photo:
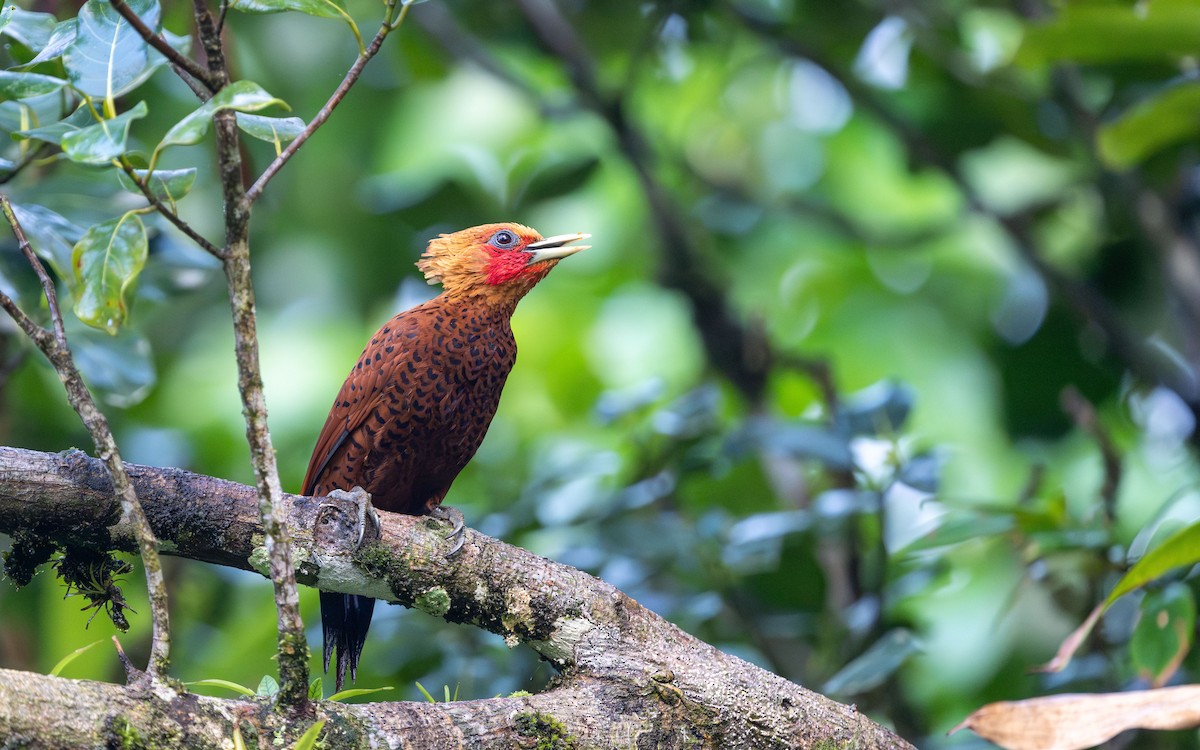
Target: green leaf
[
  {"x": 1169, "y": 116},
  {"x": 60, "y": 39},
  {"x": 16, "y": 85},
  {"x": 108, "y": 57},
  {"x": 425, "y": 693},
  {"x": 242, "y": 96},
  {"x": 356, "y": 692},
  {"x": 308, "y": 740},
  {"x": 320, "y": 8},
  {"x": 1163, "y": 634},
  {"x": 6, "y": 14},
  {"x": 223, "y": 684},
  {"x": 316, "y": 690},
  {"x": 874, "y": 665},
  {"x": 63, "y": 662},
  {"x": 51, "y": 236},
  {"x": 267, "y": 686},
  {"x": 30, "y": 29},
  {"x": 1114, "y": 32},
  {"x": 120, "y": 368},
  {"x": 1181, "y": 548},
  {"x": 107, "y": 260},
  {"x": 166, "y": 184},
  {"x": 104, "y": 141},
  {"x": 277, "y": 130},
  {"x": 54, "y": 132}
]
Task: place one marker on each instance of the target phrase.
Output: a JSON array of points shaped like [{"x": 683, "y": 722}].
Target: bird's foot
[
  {"x": 344, "y": 516},
  {"x": 458, "y": 526}
]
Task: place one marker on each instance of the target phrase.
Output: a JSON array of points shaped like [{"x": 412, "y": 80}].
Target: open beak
[{"x": 553, "y": 248}]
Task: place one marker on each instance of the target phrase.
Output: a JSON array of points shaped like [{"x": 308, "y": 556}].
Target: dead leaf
[
  {"x": 1072, "y": 643},
  {"x": 1075, "y": 721}
]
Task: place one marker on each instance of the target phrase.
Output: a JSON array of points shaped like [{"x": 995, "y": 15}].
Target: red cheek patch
[{"x": 505, "y": 265}]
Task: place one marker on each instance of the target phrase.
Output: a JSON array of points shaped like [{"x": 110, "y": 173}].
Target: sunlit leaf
[
  {"x": 107, "y": 260},
  {"x": 321, "y": 8},
  {"x": 1163, "y": 634},
  {"x": 277, "y": 130},
  {"x": 63, "y": 662},
  {"x": 308, "y": 740},
  {"x": 17, "y": 85},
  {"x": 356, "y": 692},
  {"x": 51, "y": 236},
  {"x": 425, "y": 693},
  {"x": 1075, "y": 721},
  {"x": 1109, "y": 32},
  {"x": 27, "y": 27},
  {"x": 1170, "y": 116},
  {"x": 54, "y": 132},
  {"x": 104, "y": 141},
  {"x": 60, "y": 39},
  {"x": 875, "y": 665},
  {"x": 316, "y": 689},
  {"x": 108, "y": 57},
  {"x": 243, "y": 96},
  {"x": 166, "y": 184},
  {"x": 267, "y": 686},
  {"x": 223, "y": 684},
  {"x": 1181, "y": 548}
]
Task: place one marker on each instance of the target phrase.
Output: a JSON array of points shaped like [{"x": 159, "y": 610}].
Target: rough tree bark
[{"x": 627, "y": 677}]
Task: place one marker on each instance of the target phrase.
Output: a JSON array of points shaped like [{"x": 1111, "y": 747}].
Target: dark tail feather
[{"x": 345, "y": 619}]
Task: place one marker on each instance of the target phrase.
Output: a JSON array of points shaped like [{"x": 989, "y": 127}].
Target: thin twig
[
  {"x": 56, "y": 349},
  {"x": 351, "y": 77},
  {"x": 180, "y": 62},
  {"x": 169, "y": 214},
  {"x": 738, "y": 351},
  {"x": 292, "y": 644},
  {"x": 1083, "y": 413}
]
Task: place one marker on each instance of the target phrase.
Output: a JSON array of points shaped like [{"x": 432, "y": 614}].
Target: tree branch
[
  {"x": 352, "y": 76},
  {"x": 170, "y": 215},
  {"x": 628, "y": 676},
  {"x": 293, "y": 646},
  {"x": 56, "y": 349},
  {"x": 736, "y": 350},
  {"x": 180, "y": 62}
]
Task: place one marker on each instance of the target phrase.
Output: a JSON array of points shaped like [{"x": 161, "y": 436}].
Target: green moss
[
  {"x": 125, "y": 736},
  {"x": 434, "y": 601},
  {"x": 260, "y": 560},
  {"x": 550, "y": 733},
  {"x": 375, "y": 558}
]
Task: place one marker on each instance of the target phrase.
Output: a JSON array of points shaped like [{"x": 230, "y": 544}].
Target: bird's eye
[{"x": 504, "y": 239}]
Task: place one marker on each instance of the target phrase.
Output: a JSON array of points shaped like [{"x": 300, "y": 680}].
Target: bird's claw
[
  {"x": 458, "y": 528},
  {"x": 347, "y": 515}
]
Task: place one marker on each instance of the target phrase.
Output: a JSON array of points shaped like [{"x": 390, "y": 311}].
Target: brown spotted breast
[{"x": 416, "y": 405}]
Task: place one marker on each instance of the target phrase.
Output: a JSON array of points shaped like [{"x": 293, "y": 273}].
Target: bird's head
[{"x": 501, "y": 261}]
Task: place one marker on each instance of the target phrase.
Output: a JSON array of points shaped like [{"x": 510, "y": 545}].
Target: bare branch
[
  {"x": 55, "y": 348},
  {"x": 1083, "y": 413},
  {"x": 170, "y": 215},
  {"x": 351, "y": 77},
  {"x": 293, "y": 646},
  {"x": 188, "y": 69},
  {"x": 626, "y": 672}
]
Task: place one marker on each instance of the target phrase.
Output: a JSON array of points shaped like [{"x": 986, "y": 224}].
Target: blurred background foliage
[{"x": 881, "y": 370}]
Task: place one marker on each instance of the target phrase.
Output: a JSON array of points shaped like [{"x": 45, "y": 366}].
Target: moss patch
[
  {"x": 434, "y": 601},
  {"x": 550, "y": 733}
]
